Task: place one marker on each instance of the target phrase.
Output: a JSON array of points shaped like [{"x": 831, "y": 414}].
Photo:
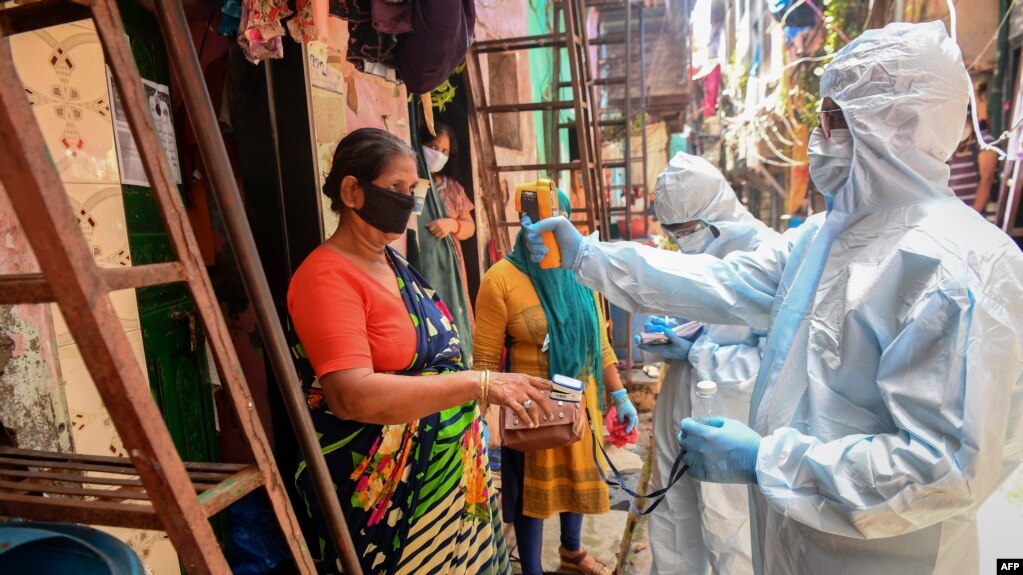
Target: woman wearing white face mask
[
  {"x": 438, "y": 152},
  {"x": 446, "y": 221}
]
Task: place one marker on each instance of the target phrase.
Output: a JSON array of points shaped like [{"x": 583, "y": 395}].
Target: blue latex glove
[
  {"x": 654, "y": 322},
  {"x": 569, "y": 239},
  {"x": 676, "y": 348},
  {"x": 720, "y": 450},
  {"x": 626, "y": 411}
]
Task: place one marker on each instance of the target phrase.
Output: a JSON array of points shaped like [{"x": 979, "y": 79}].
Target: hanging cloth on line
[{"x": 424, "y": 41}]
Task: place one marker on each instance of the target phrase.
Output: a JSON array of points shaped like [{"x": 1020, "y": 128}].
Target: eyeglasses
[
  {"x": 678, "y": 231},
  {"x": 828, "y": 120}
]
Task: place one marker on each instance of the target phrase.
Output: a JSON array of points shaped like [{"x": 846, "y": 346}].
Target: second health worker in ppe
[
  {"x": 701, "y": 528},
  {"x": 889, "y": 403}
]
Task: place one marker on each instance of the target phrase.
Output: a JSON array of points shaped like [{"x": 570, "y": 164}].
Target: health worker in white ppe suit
[
  {"x": 701, "y": 528},
  {"x": 889, "y": 403}
]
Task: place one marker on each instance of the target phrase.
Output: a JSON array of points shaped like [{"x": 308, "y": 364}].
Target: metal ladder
[
  {"x": 622, "y": 91},
  {"x": 569, "y": 33},
  {"x": 623, "y": 98},
  {"x": 155, "y": 489}
]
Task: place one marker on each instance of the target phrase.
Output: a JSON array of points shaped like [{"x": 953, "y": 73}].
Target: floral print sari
[{"x": 417, "y": 496}]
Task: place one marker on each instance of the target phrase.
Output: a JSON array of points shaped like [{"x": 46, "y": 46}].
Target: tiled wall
[{"x": 62, "y": 69}]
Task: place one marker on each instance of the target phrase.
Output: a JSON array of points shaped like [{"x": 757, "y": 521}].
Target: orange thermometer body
[{"x": 539, "y": 200}]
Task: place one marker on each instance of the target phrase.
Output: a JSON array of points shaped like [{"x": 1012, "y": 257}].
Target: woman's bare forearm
[{"x": 383, "y": 398}]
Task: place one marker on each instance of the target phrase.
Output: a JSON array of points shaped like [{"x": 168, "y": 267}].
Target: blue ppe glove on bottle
[
  {"x": 569, "y": 239},
  {"x": 676, "y": 348},
  {"x": 720, "y": 450},
  {"x": 626, "y": 411}
]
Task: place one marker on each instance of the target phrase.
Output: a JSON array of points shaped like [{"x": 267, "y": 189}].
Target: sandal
[{"x": 581, "y": 562}]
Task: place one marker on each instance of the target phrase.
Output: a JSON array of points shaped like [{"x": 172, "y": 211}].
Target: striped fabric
[
  {"x": 455, "y": 500},
  {"x": 964, "y": 176}
]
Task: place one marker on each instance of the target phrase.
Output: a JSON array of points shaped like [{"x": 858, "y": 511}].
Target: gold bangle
[
  {"x": 482, "y": 387},
  {"x": 486, "y": 389}
]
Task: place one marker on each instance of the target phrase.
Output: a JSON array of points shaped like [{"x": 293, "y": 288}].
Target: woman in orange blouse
[{"x": 394, "y": 407}]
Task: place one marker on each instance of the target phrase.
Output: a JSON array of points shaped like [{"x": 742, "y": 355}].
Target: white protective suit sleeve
[
  {"x": 738, "y": 289},
  {"x": 927, "y": 470}
]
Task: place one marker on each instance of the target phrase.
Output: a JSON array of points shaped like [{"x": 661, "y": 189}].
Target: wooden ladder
[
  {"x": 571, "y": 35},
  {"x": 155, "y": 489}
]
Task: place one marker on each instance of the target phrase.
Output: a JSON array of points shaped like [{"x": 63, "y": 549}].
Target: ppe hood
[
  {"x": 904, "y": 91},
  {"x": 691, "y": 188}
]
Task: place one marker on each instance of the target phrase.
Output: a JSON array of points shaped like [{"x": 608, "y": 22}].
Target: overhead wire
[
  {"x": 795, "y": 63},
  {"x": 981, "y": 142},
  {"x": 773, "y": 125},
  {"x": 980, "y": 55},
  {"x": 764, "y": 137}
]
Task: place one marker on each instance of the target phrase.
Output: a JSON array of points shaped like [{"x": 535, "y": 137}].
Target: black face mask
[{"x": 385, "y": 210}]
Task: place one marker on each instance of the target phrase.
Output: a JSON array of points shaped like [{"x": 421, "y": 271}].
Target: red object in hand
[{"x": 616, "y": 431}]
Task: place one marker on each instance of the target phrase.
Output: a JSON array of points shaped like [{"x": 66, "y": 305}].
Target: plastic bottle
[{"x": 706, "y": 401}]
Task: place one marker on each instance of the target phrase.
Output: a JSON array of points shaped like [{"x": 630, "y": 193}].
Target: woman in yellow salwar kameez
[{"x": 543, "y": 322}]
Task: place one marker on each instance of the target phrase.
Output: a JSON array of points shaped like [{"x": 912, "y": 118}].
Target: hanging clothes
[
  {"x": 303, "y": 25},
  {"x": 423, "y": 40},
  {"x": 711, "y": 89},
  {"x": 442, "y": 32},
  {"x": 368, "y": 42},
  {"x": 261, "y": 33}
]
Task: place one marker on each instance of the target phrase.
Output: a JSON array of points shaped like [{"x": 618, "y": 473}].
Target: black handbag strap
[{"x": 677, "y": 471}]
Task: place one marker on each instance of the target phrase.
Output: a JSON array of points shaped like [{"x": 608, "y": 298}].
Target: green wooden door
[{"x": 171, "y": 336}]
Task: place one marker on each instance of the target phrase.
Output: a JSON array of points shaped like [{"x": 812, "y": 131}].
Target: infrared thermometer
[{"x": 539, "y": 201}]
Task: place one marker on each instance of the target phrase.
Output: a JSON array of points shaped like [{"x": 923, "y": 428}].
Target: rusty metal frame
[
  {"x": 573, "y": 38},
  {"x": 630, "y": 111},
  {"x": 41, "y": 205},
  {"x": 38, "y": 484},
  {"x": 483, "y": 141},
  {"x": 82, "y": 292},
  {"x": 584, "y": 98},
  {"x": 33, "y": 288}
]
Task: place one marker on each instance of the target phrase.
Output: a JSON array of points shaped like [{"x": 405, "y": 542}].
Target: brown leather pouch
[{"x": 566, "y": 427}]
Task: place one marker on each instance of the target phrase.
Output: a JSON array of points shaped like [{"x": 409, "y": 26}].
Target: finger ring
[{"x": 527, "y": 404}]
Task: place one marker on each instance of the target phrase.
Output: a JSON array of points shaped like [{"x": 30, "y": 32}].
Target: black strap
[{"x": 677, "y": 471}]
